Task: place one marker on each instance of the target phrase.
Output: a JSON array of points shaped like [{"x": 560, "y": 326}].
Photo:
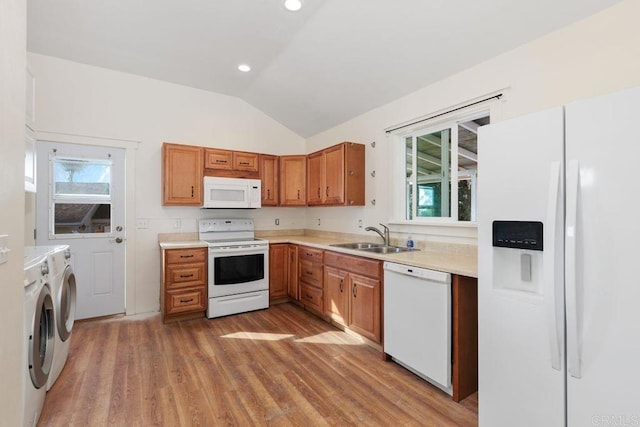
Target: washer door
[
  {"x": 42, "y": 339},
  {"x": 67, "y": 304}
]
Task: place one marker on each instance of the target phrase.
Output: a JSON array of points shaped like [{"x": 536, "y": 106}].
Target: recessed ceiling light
[
  {"x": 244, "y": 68},
  {"x": 293, "y": 5}
]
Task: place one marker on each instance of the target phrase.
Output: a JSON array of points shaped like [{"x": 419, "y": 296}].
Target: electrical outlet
[
  {"x": 277, "y": 221},
  {"x": 318, "y": 221},
  {"x": 359, "y": 223},
  {"x": 177, "y": 223},
  {"x": 142, "y": 223}
]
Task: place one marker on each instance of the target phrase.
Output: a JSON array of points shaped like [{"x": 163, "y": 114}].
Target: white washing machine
[
  {"x": 63, "y": 290},
  {"x": 39, "y": 334}
]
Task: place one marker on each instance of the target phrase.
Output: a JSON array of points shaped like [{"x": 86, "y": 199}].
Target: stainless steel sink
[
  {"x": 373, "y": 247},
  {"x": 387, "y": 249},
  {"x": 357, "y": 245}
]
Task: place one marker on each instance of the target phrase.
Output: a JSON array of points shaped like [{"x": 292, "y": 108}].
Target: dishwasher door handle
[{"x": 418, "y": 273}]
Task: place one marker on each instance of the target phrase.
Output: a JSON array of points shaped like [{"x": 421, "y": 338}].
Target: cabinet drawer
[
  {"x": 311, "y": 297},
  {"x": 183, "y": 256},
  {"x": 311, "y": 254},
  {"x": 181, "y": 275},
  {"x": 245, "y": 161},
  {"x": 218, "y": 159},
  {"x": 185, "y": 300},
  {"x": 366, "y": 266},
  {"x": 311, "y": 272}
]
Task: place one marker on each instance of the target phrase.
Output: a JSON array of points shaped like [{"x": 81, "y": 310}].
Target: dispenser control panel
[{"x": 518, "y": 234}]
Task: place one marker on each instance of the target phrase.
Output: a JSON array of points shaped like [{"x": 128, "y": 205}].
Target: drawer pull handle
[
  {"x": 341, "y": 285},
  {"x": 318, "y": 192},
  {"x": 184, "y": 276},
  {"x": 310, "y": 273},
  {"x": 298, "y": 194},
  {"x": 184, "y": 301},
  {"x": 220, "y": 161},
  {"x": 355, "y": 293},
  {"x": 309, "y": 296},
  {"x": 327, "y": 191},
  {"x": 245, "y": 163},
  {"x": 186, "y": 256},
  {"x": 268, "y": 194}
]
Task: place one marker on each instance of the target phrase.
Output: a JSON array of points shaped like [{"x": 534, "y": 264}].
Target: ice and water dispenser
[{"x": 517, "y": 255}]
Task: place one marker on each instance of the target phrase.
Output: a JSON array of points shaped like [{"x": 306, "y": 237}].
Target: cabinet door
[
  {"x": 278, "y": 272},
  {"x": 315, "y": 171},
  {"x": 364, "y": 308},
  {"x": 269, "y": 176},
  {"x": 335, "y": 292},
  {"x": 243, "y": 161},
  {"x": 218, "y": 159},
  {"x": 292, "y": 283},
  {"x": 334, "y": 171},
  {"x": 293, "y": 172},
  {"x": 182, "y": 173}
]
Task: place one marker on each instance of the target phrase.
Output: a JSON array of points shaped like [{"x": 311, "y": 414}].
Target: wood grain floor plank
[{"x": 279, "y": 367}]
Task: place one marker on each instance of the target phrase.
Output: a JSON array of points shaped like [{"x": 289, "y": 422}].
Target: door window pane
[
  {"x": 73, "y": 177},
  {"x": 81, "y": 218}
]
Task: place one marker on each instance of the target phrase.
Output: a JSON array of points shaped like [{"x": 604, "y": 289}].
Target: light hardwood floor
[{"x": 280, "y": 366}]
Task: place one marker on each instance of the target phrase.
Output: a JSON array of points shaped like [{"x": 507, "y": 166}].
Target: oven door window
[{"x": 231, "y": 270}]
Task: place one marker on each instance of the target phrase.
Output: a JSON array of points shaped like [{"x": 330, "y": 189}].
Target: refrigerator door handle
[
  {"x": 573, "y": 348},
  {"x": 553, "y": 273}
]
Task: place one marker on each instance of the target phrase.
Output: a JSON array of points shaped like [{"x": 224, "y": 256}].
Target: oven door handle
[{"x": 243, "y": 250}]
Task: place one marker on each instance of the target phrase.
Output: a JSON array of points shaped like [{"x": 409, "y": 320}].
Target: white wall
[
  {"x": 598, "y": 55},
  {"x": 12, "y": 145},
  {"x": 77, "y": 99}
]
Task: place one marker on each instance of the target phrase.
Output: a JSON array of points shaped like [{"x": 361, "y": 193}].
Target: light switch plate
[{"x": 4, "y": 248}]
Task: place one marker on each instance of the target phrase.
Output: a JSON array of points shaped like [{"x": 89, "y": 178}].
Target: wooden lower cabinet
[
  {"x": 293, "y": 290},
  {"x": 336, "y": 293},
  {"x": 278, "y": 272},
  {"x": 464, "y": 340},
  {"x": 283, "y": 272},
  {"x": 365, "y": 307},
  {"x": 183, "y": 293},
  {"x": 352, "y": 293},
  {"x": 310, "y": 278}
]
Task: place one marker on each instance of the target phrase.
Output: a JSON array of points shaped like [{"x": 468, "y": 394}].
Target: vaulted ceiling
[{"x": 311, "y": 69}]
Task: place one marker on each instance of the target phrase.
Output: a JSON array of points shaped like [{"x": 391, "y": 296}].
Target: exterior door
[{"x": 80, "y": 203}]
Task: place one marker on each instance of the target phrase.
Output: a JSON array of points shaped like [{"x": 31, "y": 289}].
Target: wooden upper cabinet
[
  {"x": 231, "y": 164},
  {"x": 315, "y": 174},
  {"x": 269, "y": 175},
  {"x": 218, "y": 159},
  {"x": 181, "y": 174},
  {"x": 293, "y": 173},
  {"x": 336, "y": 175},
  {"x": 243, "y": 161}
]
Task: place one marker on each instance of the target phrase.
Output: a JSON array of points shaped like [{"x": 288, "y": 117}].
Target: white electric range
[{"x": 238, "y": 264}]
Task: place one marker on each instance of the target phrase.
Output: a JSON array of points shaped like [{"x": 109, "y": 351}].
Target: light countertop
[{"x": 449, "y": 258}]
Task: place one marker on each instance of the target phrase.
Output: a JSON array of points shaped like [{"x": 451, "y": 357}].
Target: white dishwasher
[{"x": 417, "y": 321}]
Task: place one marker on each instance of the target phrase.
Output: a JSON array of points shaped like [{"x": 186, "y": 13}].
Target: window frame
[
  {"x": 89, "y": 199},
  {"x": 398, "y": 143}
]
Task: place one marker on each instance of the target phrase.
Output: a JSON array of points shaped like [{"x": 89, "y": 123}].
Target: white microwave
[{"x": 232, "y": 193}]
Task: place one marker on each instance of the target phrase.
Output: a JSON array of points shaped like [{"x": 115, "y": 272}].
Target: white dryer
[
  {"x": 39, "y": 334},
  {"x": 63, "y": 290}
]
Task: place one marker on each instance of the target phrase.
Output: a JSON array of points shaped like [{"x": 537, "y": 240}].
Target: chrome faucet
[{"x": 385, "y": 236}]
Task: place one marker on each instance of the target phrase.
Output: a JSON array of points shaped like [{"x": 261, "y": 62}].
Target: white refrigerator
[{"x": 559, "y": 266}]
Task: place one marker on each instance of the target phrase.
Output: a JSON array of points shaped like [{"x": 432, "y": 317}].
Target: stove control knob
[{"x": 44, "y": 268}]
